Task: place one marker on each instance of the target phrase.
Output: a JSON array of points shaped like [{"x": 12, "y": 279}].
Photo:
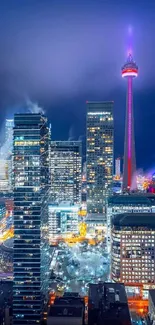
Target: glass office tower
[
  {"x": 31, "y": 173},
  {"x": 65, "y": 164},
  {"x": 99, "y": 157},
  {"x": 9, "y": 123}
]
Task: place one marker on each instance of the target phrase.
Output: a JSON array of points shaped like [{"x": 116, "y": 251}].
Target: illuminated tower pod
[{"x": 129, "y": 71}]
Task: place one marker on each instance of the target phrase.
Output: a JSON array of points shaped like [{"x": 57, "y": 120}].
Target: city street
[{"x": 79, "y": 265}]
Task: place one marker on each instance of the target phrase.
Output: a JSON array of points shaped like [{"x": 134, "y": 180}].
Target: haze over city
[{"x": 62, "y": 53}]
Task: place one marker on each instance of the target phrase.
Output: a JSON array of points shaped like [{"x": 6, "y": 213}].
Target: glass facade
[
  {"x": 63, "y": 220},
  {"x": 65, "y": 164},
  {"x": 31, "y": 180},
  {"x": 6, "y": 158},
  {"x": 99, "y": 154},
  {"x": 9, "y": 123}
]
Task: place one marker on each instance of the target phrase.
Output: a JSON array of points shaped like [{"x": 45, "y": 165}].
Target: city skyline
[
  {"x": 77, "y": 162},
  {"x": 78, "y": 75}
]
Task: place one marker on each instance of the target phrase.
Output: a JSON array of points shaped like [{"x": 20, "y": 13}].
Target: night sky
[{"x": 61, "y": 53}]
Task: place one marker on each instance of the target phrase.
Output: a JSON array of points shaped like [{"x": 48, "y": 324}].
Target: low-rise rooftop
[
  {"x": 134, "y": 220},
  {"x": 132, "y": 199},
  {"x": 108, "y": 304}
]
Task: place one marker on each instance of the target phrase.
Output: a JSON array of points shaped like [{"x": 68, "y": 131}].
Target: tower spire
[{"x": 129, "y": 71}]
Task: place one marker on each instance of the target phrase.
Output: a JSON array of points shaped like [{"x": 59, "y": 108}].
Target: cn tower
[{"x": 129, "y": 71}]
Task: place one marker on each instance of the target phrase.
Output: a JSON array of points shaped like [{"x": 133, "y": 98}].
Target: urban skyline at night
[{"x": 77, "y": 162}]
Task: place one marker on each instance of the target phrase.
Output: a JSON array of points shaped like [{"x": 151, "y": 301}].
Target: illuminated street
[{"x": 79, "y": 265}]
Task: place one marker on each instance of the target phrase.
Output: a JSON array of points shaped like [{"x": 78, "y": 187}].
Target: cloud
[
  {"x": 55, "y": 51},
  {"x": 33, "y": 107},
  {"x": 71, "y": 134}
]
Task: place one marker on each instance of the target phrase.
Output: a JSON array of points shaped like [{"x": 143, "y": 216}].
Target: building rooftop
[
  {"x": 99, "y": 102},
  {"x": 66, "y": 310},
  {"x": 95, "y": 217},
  {"x": 111, "y": 301},
  {"x": 96, "y": 292},
  {"x": 65, "y": 143},
  {"x": 134, "y": 220},
  {"x": 131, "y": 199}
]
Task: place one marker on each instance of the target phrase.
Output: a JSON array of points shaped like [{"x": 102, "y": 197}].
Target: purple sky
[{"x": 61, "y": 53}]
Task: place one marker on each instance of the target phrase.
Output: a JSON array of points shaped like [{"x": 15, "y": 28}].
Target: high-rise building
[
  {"x": 133, "y": 256},
  {"x": 129, "y": 71},
  {"x": 4, "y": 176},
  {"x": 84, "y": 185},
  {"x": 118, "y": 167},
  {"x": 6, "y": 158},
  {"x": 9, "y": 124},
  {"x": 65, "y": 166},
  {"x": 99, "y": 154},
  {"x": 31, "y": 173},
  {"x": 133, "y": 203}
]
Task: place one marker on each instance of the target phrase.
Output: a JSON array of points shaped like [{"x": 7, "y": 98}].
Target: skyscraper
[
  {"x": 65, "y": 164},
  {"x": 118, "y": 167},
  {"x": 99, "y": 154},
  {"x": 9, "y": 123},
  {"x": 129, "y": 71},
  {"x": 6, "y": 158},
  {"x": 31, "y": 172}
]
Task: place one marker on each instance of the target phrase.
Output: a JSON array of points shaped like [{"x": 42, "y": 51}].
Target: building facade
[
  {"x": 133, "y": 254},
  {"x": 67, "y": 310},
  {"x": 133, "y": 203},
  {"x": 65, "y": 166},
  {"x": 118, "y": 168},
  {"x": 63, "y": 220},
  {"x": 6, "y": 158},
  {"x": 4, "y": 174},
  {"x": 99, "y": 156},
  {"x": 9, "y": 124},
  {"x": 31, "y": 173}
]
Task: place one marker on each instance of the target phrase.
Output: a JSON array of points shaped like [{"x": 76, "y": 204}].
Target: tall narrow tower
[
  {"x": 129, "y": 71},
  {"x": 31, "y": 181}
]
